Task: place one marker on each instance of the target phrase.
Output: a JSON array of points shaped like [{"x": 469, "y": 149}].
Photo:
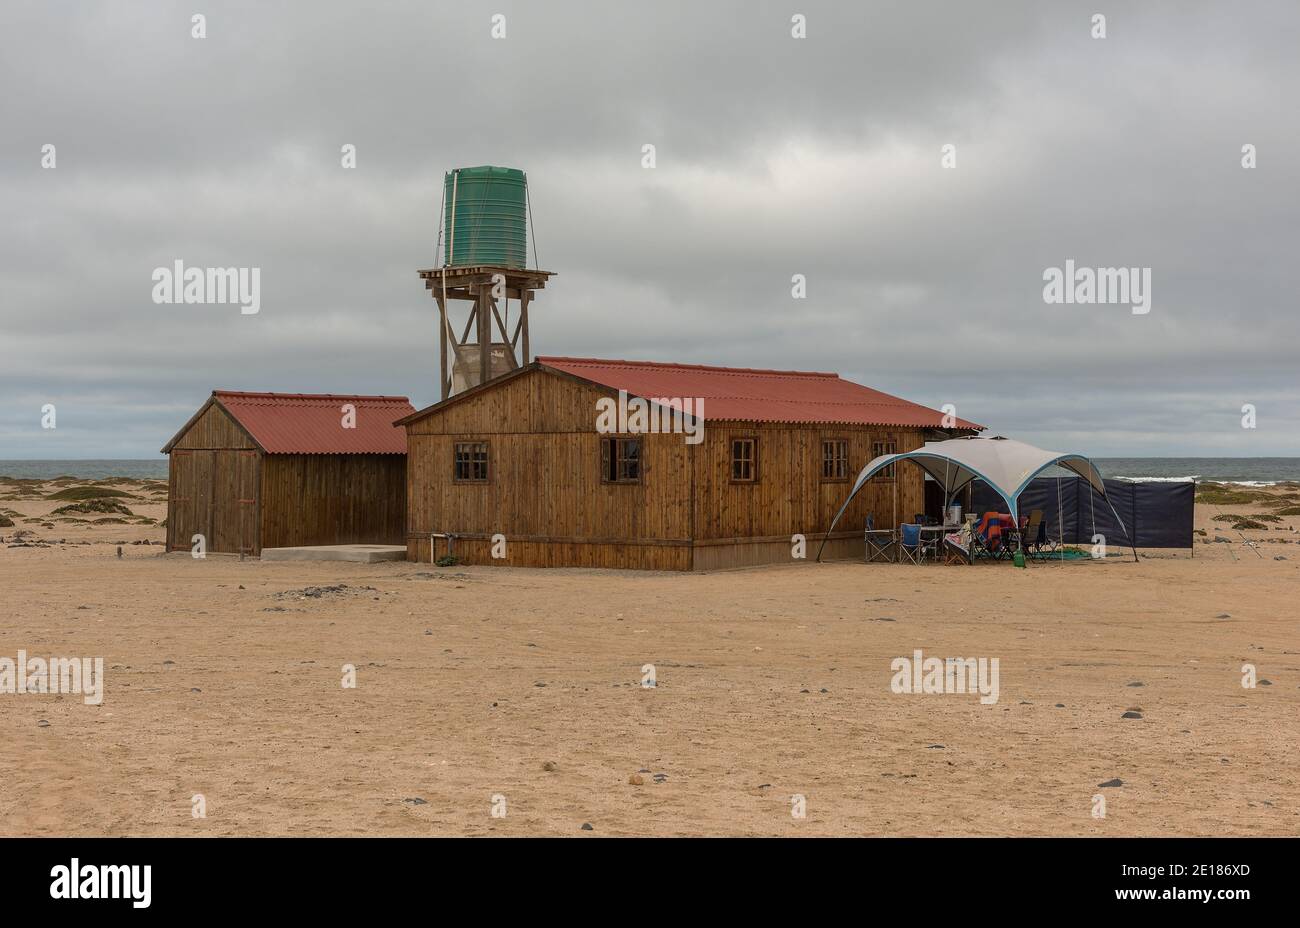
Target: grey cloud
[{"x": 776, "y": 157}]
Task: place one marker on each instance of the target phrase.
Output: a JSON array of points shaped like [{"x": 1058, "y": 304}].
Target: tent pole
[
  {"x": 1060, "y": 518},
  {"x": 1020, "y": 533},
  {"x": 1128, "y": 534}
]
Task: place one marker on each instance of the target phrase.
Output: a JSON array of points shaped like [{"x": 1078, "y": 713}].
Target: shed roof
[
  {"x": 750, "y": 395},
  {"x": 737, "y": 394},
  {"x": 312, "y": 423}
]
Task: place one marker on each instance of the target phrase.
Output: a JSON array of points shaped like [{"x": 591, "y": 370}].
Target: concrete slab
[{"x": 362, "y": 554}]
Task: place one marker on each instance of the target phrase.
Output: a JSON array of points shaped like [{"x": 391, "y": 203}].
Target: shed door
[
  {"x": 180, "y": 499},
  {"x": 190, "y": 499},
  {"x": 233, "y": 497},
  {"x": 214, "y": 494}
]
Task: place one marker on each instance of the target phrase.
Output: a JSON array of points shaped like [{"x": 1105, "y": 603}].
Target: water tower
[{"x": 484, "y": 245}]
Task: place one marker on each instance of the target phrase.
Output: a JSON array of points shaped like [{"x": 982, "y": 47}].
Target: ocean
[
  {"x": 154, "y": 468},
  {"x": 1223, "y": 470},
  {"x": 1219, "y": 470}
]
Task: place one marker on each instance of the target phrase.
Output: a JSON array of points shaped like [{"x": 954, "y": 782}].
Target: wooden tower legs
[{"x": 488, "y": 290}]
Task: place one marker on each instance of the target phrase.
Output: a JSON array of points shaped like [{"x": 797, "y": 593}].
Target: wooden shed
[
  {"x": 521, "y": 459},
  {"x": 268, "y": 470}
]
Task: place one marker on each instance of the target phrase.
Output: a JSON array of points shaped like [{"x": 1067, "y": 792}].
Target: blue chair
[{"x": 910, "y": 545}]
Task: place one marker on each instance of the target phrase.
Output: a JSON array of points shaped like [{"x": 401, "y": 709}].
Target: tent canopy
[{"x": 1005, "y": 465}]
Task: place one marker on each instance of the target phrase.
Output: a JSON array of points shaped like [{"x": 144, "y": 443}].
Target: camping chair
[
  {"x": 983, "y": 539},
  {"x": 910, "y": 545},
  {"x": 1044, "y": 544},
  {"x": 1028, "y": 532},
  {"x": 880, "y": 543},
  {"x": 997, "y": 541},
  {"x": 954, "y": 553}
]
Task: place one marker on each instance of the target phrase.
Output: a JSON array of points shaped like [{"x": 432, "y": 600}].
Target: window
[
  {"x": 744, "y": 460},
  {"x": 835, "y": 459},
  {"x": 884, "y": 447},
  {"x": 471, "y": 462},
  {"x": 620, "y": 460}
]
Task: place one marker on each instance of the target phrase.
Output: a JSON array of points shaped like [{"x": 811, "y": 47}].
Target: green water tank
[{"x": 485, "y": 217}]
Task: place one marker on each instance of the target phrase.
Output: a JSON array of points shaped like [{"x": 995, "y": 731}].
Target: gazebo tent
[{"x": 1007, "y": 466}]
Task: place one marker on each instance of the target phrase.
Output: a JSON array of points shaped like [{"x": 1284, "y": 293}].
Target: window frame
[
  {"x": 611, "y": 447},
  {"x": 487, "y": 462},
  {"x": 890, "y": 446},
  {"x": 843, "y": 443},
  {"x": 753, "y": 478}
]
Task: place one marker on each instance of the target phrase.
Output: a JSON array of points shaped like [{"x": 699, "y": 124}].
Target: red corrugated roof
[
  {"x": 312, "y": 423},
  {"x": 745, "y": 394}
]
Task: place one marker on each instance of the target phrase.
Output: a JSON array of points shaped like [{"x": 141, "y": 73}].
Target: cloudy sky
[{"x": 775, "y": 156}]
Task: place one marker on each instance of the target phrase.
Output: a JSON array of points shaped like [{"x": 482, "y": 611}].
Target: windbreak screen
[{"x": 1158, "y": 514}]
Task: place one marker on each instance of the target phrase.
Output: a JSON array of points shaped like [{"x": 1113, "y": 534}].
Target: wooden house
[
  {"x": 522, "y": 466},
  {"x": 267, "y": 470}
]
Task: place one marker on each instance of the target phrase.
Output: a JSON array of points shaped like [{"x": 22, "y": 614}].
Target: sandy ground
[{"x": 475, "y": 683}]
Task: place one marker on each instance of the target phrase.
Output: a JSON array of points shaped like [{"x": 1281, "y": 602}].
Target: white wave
[{"x": 1195, "y": 478}]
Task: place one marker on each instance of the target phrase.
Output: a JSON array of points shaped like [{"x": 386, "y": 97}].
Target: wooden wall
[
  {"x": 544, "y": 491},
  {"x": 555, "y": 553},
  {"x": 545, "y": 495},
  {"x": 333, "y": 499},
  {"x": 753, "y": 552},
  {"x": 214, "y": 429},
  {"x": 790, "y": 495},
  {"x": 743, "y": 524}
]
